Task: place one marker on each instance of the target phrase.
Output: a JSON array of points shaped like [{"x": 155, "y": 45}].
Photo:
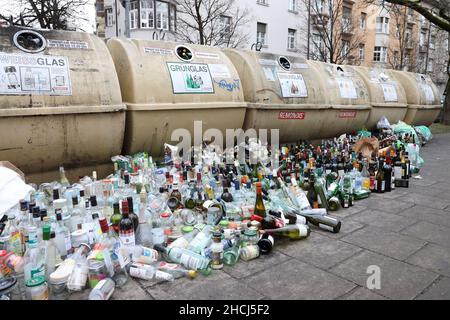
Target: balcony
[
  {"x": 423, "y": 48},
  {"x": 410, "y": 19},
  {"x": 319, "y": 20},
  {"x": 425, "y": 25},
  {"x": 347, "y": 30},
  {"x": 409, "y": 45}
]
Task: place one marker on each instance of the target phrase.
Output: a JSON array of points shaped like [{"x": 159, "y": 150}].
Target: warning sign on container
[
  {"x": 38, "y": 74},
  {"x": 347, "y": 114},
  {"x": 291, "y": 115}
]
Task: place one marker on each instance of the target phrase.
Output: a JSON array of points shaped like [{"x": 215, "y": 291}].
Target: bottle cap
[
  {"x": 58, "y": 214},
  {"x": 52, "y": 234},
  {"x": 187, "y": 229},
  {"x": 23, "y": 205},
  {"x": 81, "y": 193},
  {"x": 43, "y": 213},
  {"x": 192, "y": 274},
  {"x": 34, "y": 282},
  {"x": 104, "y": 225},
  {"x": 46, "y": 232},
  {"x": 93, "y": 200},
  {"x": 223, "y": 223},
  {"x": 74, "y": 200},
  {"x": 55, "y": 193},
  {"x": 95, "y": 215}
]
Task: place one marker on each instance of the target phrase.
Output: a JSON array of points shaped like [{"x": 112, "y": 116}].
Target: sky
[{"x": 14, "y": 6}]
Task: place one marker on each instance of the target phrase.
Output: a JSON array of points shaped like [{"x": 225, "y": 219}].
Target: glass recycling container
[
  {"x": 387, "y": 95},
  {"x": 300, "y": 98},
  {"x": 422, "y": 98},
  {"x": 60, "y": 103},
  {"x": 168, "y": 86}
]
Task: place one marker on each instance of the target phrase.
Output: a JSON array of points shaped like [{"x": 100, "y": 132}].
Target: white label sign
[
  {"x": 292, "y": 85},
  {"x": 429, "y": 95},
  {"x": 390, "y": 92},
  {"x": 347, "y": 88},
  {"x": 219, "y": 71},
  {"x": 160, "y": 51},
  {"x": 190, "y": 78},
  {"x": 67, "y": 44},
  {"x": 297, "y": 65},
  {"x": 267, "y": 62},
  {"x": 207, "y": 55},
  {"x": 40, "y": 74},
  {"x": 269, "y": 73}
]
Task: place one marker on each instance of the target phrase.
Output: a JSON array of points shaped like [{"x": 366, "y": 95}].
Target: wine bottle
[
  {"x": 291, "y": 231},
  {"x": 259, "y": 209},
  {"x": 325, "y": 223}
]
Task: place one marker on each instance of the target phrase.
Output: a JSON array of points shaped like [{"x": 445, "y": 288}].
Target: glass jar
[
  {"x": 7, "y": 288},
  {"x": 37, "y": 288},
  {"x": 249, "y": 252},
  {"x": 97, "y": 272},
  {"x": 58, "y": 289},
  {"x": 250, "y": 237}
]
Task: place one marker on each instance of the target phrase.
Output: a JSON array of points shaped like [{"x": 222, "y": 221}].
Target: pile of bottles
[{"x": 176, "y": 219}]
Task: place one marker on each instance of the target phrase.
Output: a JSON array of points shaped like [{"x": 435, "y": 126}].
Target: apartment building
[
  {"x": 146, "y": 19},
  {"x": 279, "y": 25}
]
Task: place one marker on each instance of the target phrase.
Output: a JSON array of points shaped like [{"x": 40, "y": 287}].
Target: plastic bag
[
  {"x": 424, "y": 132},
  {"x": 401, "y": 129},
  {"x": 413, "y": 150},
  {"x": 383, "y": 123},
  {"x": 364, "y": 134}
]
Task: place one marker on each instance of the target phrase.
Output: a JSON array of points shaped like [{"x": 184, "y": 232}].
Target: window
[
  {"x": 162, "y": 15},
  {"x": 319, "y": 6},
  {"x": 362, "y": 24},
  {"x": 422, "y": 39},
  {"x": 293, "y": 5},
  {"x": 346, "y": 19},
  {"x": 263, "y": 2},
  {"x": 109, "y": 17},
  {"x": 362, "y": 51},
  {"x": 292, "y": 35},
  {"x": 430, "y": 65},
  {"x": 397, "y": 31},
  {"x": 317, "y": 46},
  {"x": 225, "y": 25},
  {"x": 380, "y": 54},
  {"x": 345, "y": 49},
  {"x": 133, "y": 14},
  {"x": 432, "y": 42},
  {"x": 147, "y": 14},
  {"x": 395, "y": 58},
  {"x": 382, "y": 24},
  {"x": 408, "y": 37},
  {"x": 261, "y": 33},
  {"x": 173, "y": 18}
]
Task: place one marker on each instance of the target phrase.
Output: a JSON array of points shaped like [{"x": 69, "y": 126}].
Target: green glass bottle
[
  {"x": 259, "y": 209},
  {"x": 116, "y": 217}
]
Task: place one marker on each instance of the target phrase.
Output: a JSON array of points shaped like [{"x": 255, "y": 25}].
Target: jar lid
[
  {"x": 250, "y": 232},
  {"x": 165, "y": 215},
  {"x": 7, "y": 283},
  {"x": 187, "y": 229},
  {"x": 223, "y": 223},
  {"x": 35, "y": 281}
]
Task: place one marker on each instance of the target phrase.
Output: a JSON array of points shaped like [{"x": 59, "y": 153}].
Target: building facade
[{"x": 146, "y": 19}]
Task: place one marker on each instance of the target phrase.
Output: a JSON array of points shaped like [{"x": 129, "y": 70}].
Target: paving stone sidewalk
[{"x": 406, "y": 233}]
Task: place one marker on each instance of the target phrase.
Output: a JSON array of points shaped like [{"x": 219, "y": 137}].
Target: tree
[
  {"x": 403, "y": 52},
  {"x": 212, "y": 22},
  {"x": 45, "y": 14},
  {"x": 438, "y": 13},
  {"x": 335, "y": 36}
]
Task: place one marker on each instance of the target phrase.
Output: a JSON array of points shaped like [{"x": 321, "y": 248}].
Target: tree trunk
[{"x": 445, "y": 119}]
